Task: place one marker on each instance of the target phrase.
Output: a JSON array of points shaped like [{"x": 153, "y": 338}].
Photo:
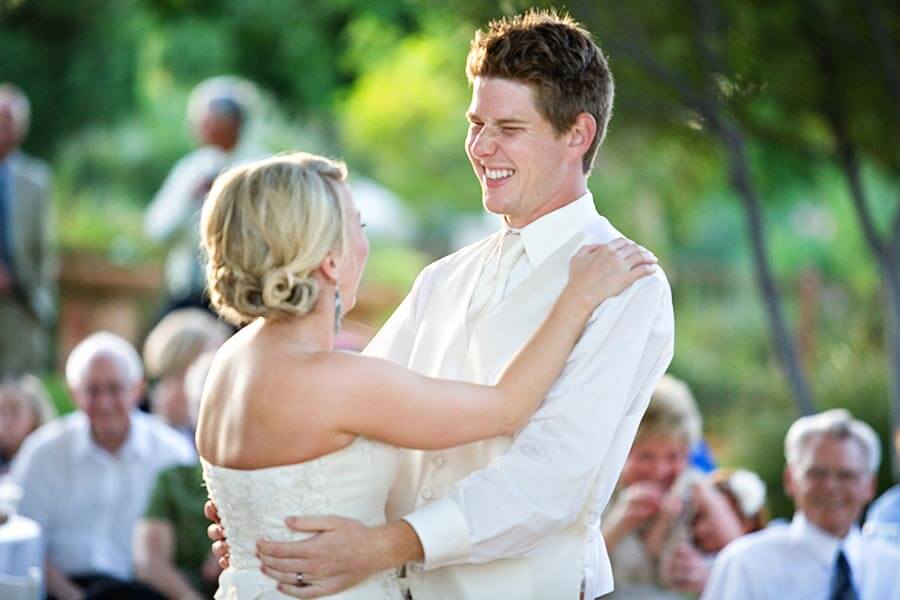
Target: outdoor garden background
[{"x": 754, "y": 148}]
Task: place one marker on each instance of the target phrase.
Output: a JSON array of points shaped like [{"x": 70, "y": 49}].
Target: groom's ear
[
  {"x": 581, "y": 134},
  {"x": 330, "y": 267}
]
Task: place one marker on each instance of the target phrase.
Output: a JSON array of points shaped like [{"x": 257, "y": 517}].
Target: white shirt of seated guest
[
  {"x": 88, "y": 500},
  {"x": 797, "y": 561},
  {"x": 534, "y": 501}
]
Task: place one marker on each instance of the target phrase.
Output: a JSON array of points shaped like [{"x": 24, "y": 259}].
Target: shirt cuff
[{"x": 443, "y": 532}]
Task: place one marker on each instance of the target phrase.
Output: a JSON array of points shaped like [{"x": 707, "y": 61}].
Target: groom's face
[{"x": 520, "y": 160}]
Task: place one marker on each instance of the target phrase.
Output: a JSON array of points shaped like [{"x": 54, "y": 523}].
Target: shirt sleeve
[
  {"x": 159, "y": 506},
  {"x": 173, "y": 203},
  {"x": 541, "y": 484},
  {"x": 39, "y": 495}
]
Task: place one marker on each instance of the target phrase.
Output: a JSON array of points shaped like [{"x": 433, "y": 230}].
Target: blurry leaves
[{"x": 404, "y": 121}]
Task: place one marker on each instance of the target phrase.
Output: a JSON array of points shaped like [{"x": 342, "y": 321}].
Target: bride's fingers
[
  {"x": 619, "y": 243},
  {"x": 641, "y": 258}
]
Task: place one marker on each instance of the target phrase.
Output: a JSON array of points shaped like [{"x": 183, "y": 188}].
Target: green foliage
[
  {"x": 59, "y": 393},
  {"x": 403, "y": 121},
  {"x": 382, "y": 84},
  {"x": 394, "y": 266}
]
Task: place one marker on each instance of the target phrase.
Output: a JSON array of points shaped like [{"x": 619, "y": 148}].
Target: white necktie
[
  {"x": 510, "y": 251},
  {"x": 495, "y": 278}
]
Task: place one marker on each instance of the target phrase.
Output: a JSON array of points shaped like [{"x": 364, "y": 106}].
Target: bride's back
[
  {"x": 266, "y": 403},
  {"x": 268, "y": 453}
]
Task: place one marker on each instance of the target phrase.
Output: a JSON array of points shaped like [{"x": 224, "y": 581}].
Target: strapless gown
[{"x": 352, "y": 482}]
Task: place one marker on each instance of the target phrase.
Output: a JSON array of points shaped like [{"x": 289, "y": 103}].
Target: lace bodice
[{"x": 352, "y": 482}]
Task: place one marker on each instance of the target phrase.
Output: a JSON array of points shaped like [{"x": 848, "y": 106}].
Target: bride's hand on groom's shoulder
[
  {"x": 600, "y": 271},
  {"x": 216, "y": 534}
]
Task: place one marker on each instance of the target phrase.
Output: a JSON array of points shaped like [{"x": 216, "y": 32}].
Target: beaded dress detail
[{"x": 351, "y": 482}]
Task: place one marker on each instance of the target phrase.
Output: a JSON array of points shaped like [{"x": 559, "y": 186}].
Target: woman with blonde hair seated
[
  {"x": 288, "y": 426},
  {"x": 650, "y": 511},
  {"x": 24, "y": 406},
  {"x": 169, "y": 350}
]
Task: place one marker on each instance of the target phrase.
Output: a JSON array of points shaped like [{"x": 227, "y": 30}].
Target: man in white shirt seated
[
  {"x": 831, "y": 464},
  {"x": 87, "y": 477}
]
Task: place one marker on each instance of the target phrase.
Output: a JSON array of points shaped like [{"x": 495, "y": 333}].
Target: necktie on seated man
[
  {"x": 841, "y": 587},
  {"x": 491, "y": 288}
]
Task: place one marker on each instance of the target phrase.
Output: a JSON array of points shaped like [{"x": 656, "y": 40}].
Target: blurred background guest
[
  {"x": 831, "y": 464},
  {"x": 217, "y": 112},
  {"x": 656, "y": 481},
  {"x": 86, "y": 477},
  {"x": 746, "y": 493},
  {"x": 171, "y": 551},
  {"x": 726, "y": 506},
  {"x": 883, "y": 518},
  {"x": 24, "y": 406},
  {"x": 27, "y": 270},
  {"x": 171, "y": 347}
]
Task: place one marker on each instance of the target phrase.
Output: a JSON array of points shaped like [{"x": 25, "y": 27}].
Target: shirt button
[
  {"x": 428, "y": 494},
  {"x": 439, "y": 461}
]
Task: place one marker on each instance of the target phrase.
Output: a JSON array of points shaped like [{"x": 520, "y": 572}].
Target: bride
[{"x": 287, "y": 426}]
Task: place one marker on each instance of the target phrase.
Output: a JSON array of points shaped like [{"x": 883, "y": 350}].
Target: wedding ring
[{"x": 300, "y": 581}]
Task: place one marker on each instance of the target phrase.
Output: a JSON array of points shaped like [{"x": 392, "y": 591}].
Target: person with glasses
[
  {"x": 87, "y": 477},
  {"x": 832, "y": 459}
]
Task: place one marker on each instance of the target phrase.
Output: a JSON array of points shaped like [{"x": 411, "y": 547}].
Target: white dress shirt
[
  {"x": 559, "y": 471},
  {"x": 174, "y": 214},
  {"x": 797, "y": 561},
  {"x": 88, "y": 500}
]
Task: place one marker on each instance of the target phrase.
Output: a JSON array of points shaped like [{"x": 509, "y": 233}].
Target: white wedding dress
[{"x": 351, "y": 482}]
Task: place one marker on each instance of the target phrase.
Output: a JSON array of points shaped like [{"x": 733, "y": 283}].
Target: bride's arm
[{"x": 384, "y": 401}]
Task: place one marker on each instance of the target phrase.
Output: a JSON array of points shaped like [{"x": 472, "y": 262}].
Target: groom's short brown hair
[{"x": 558, "y": 58}]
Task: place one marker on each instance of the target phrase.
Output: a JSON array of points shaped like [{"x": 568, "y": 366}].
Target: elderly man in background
[
  {"x": 831, "y": 464},
  {"x": 87, "y": 477},
  {"x": 27, "y": 272},
  {"x": 217, "y": 112}
]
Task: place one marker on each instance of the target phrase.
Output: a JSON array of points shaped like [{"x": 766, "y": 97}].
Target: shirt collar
[
  {"x": 546, "y": 235},
  {"x": 822, "y": 545},
  {"x": 137, "y": 444}
]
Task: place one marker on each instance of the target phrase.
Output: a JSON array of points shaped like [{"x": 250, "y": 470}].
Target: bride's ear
[{"x": 330, "y": 267}]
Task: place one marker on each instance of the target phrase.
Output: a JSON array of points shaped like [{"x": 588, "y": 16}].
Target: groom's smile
[{"x": 518, "y": 157}]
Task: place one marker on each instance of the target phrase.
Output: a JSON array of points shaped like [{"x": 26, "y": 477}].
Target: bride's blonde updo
[{"x": 266, "y": 226}]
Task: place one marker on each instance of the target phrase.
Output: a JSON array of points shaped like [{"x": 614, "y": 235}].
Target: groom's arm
[
  {"x": 534, "y": 489},
  {"x": 343, "y": 553},
  {"x": 541, "y": 484}
]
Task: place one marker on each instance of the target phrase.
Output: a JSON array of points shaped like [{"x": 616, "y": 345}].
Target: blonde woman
[
  {"x": 287, "y": 426},
  {"x": 25, "y": 405}
]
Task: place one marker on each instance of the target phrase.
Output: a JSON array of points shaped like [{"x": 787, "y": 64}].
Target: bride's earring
[{"x": 338, "y": 311}]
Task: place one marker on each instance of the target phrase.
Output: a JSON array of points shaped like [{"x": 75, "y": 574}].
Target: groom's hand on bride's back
[
  {"x": 216, "y": 534},
  {"x": 340, "y": 554}
]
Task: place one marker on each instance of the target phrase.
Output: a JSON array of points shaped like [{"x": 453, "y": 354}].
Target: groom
[{"x": 511, "y": 518}]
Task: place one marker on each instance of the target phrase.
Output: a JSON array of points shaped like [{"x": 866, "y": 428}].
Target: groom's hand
[{"x": 341, "y": 553}]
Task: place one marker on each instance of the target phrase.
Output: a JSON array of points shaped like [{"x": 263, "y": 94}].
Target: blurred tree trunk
[
  {"x": 708, "y": 103},
  {"x": 885, "y": 247}
]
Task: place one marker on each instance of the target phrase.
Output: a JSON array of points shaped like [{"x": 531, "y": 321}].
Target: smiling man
[
  {"x": 831, "y": 464},
  {"x": 87, "y": 477},
  {"x": 511, "y": 518}
]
